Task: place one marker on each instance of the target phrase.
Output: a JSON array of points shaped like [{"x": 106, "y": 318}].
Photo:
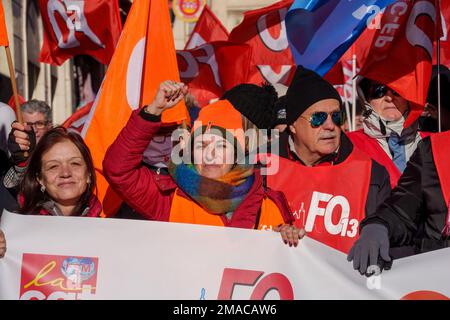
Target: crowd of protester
[{"x": 394, "y": 177}]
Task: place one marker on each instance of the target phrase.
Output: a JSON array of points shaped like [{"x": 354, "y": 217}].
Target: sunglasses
[
  {"x": 379, "y": 91},
  {"x": 318, "y": 118}
]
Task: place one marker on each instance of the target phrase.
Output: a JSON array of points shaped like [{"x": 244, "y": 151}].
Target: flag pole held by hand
[{"x": 12, "y": 75}]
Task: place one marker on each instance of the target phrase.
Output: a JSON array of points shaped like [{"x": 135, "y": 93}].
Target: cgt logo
[
  {"x": 262, "y": 284},
  {"x": 49, "y": 277}
]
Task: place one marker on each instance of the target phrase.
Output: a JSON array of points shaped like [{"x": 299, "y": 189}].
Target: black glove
[
  {"x": 17, "y": 155},
  {"x": 371, "y": 249}
]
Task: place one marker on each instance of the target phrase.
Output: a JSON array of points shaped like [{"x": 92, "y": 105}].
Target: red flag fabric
[
  {"x": 208, "y": 29},
  {"x": 77, "y": 120},
  {"x": 445, "y": 39},
  {"x": 79, "y": 27},
  {"x": 12, "y": 103},
  {"x": 265, "y": 31},
  {"x": 214, "y": 68},
  {"x": 144, "y": 57},
  {"x": 3, "y": 31},
  {"x": 406, "y": 27}
]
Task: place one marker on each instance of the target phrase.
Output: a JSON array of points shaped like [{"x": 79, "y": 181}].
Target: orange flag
[
  {"x": 3, "y": 33},
  {"x": 144, "y": 57}
]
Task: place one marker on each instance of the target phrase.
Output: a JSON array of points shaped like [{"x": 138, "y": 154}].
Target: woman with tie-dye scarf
[{"x": 210, "y": 182}]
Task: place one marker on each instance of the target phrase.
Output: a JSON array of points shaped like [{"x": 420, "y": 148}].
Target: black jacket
[
  {"x": 7, "y": 199},
  {"x": 415, "y": 213},
  {"x": 380, "y": 186}
]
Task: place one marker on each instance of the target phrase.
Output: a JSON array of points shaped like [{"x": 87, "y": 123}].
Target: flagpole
[
  {"x": 438, "y": 55},
  {"x": 12, "y": 75},
  {"x": 354, "y": 92},
  {"x": 347, "y": 110}
]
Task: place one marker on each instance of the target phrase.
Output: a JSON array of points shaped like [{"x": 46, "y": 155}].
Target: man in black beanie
[{"x": 336, "y": 186}]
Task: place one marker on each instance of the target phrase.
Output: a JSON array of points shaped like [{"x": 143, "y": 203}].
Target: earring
[{"x": 42, "y": 188}]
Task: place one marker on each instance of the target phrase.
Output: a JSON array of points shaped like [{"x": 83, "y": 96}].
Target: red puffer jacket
[{"x": 151, "y": 194}]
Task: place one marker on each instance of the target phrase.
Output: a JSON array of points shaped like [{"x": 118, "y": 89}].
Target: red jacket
[
  {"x": 151, "y": 194},
  {"x": 49, "y": 208}
]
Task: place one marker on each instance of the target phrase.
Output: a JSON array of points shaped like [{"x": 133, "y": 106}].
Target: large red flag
[
  {"x": 402, "y": 50},
  {"x": 144, "y": 57},
  {"x": 214, "y": 68},
  {"x": 79, "y": 27},
  {"x": 3, "y": 32},
  {"x": 265, "y": 31},
  {"x": 208, "y": 29}
]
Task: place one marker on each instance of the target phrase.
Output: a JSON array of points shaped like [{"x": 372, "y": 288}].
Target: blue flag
[{"x": 321, "y": 31}]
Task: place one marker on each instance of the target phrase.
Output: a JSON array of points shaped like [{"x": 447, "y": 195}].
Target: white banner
[{"x": 89, "y": 258}]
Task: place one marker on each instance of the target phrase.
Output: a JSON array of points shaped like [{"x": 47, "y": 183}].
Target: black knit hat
[
  {"x": 307, "y": 88},
  {"x": 254, "y": 102}
]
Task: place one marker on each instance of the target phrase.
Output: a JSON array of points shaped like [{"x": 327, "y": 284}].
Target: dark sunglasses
[
  {"x": 318, "y": 118},
  {"x": 379, "y": 91}
]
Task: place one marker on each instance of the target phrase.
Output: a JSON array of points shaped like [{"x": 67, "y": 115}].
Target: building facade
[{"x": 229, "y": 12}]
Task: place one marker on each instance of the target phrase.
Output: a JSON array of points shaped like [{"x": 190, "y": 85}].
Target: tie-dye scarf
[{"x": 217, "y": 196}]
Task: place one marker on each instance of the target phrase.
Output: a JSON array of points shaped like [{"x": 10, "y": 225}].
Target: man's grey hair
[{"x": 34, "y": 105}]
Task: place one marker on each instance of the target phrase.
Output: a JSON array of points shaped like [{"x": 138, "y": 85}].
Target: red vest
[
  {"x": 328, "y": 201},
  {"x": 441, "y": 156},
  {"x": 373, "y": 149}
]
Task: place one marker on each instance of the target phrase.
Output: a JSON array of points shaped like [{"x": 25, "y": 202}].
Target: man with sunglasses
[
  {"x": 330, "y": 185},
  {"x": 383, "y": 136}
]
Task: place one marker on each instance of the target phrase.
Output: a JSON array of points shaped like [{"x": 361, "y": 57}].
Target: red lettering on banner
[
  {"x": 273, "y": 281},
  {"x": 425, "y": 295}
]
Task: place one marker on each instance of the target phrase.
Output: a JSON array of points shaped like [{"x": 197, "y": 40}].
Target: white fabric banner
[{"x": 89, "y": 258}]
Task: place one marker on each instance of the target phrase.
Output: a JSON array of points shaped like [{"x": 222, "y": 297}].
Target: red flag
[
  {"x": 144, "y": 57},
  {"x": 402, "y": 51},
  {"x": 208, "y": 29},
  {"x": 12, "y": 103},
  {"x": 265, "y": 31},
  {"x": 79, "y": 27},
  {"x": 77, "y": 120},
  {"x": 3, "y": 32},
  {"x": 213, "y": 68},
  {"x": 445, "y": 39}
]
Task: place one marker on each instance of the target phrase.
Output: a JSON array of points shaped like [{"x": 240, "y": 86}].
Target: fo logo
[
  {"x": 260, "y": 284},
  {"x": 48, "y": 277},
  {"x": 328, "y": 206}
]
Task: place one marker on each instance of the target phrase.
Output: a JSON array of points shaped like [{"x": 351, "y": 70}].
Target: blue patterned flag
[{"x": 321, "y": 31}]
